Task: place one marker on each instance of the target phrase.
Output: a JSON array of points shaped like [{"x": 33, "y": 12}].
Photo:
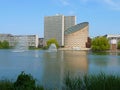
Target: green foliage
[
  {"x": 52, "y": 40},
  {"x": 92, "y": 82},
  {"x": 6, "y": 85},
  {"x": 4, "y": 44},
  {"x": 118, "y": 45},
  {"x": 72, "y": 83},
  {"x": 100, "y": 44},
  {"x": 86, "y": 82},
  {"x": 0, "y": 44},
  {"x": 25, "y": 82},
  {"x": 102, "y": 82},
  {"x": 45, "y": 47}
]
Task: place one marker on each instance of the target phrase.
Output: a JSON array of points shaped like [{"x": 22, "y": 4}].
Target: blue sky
[{"x": 27, "y": 16}]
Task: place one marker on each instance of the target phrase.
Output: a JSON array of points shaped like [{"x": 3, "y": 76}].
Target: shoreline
[{"x": 82, "y": 49}]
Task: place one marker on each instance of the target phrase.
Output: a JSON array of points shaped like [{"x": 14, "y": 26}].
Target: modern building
[
  {"x": 76, "y": 37},
  {"x": 30, "y": 40},
  {"x": 54, "y": 27},
  {"x": 69, "y": 21},
  {"x": 65, "y": 30}
]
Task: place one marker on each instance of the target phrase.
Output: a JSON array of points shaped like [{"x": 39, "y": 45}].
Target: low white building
[
  {"x": 30, "y": 40},
  {"x": 113, "y": 39}
]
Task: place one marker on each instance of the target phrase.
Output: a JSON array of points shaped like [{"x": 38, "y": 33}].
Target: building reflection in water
[{"x": 57, "y": 64}]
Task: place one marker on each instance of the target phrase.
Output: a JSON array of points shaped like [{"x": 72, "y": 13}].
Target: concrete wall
[{"x": 77, "y": 39}]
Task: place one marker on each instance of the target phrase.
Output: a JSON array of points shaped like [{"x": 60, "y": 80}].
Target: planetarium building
[{"x": 76, "y": 37}]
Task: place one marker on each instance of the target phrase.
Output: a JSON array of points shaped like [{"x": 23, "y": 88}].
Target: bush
[
  {"x": 4, "y": 45},
  {"x": 52, "y": 40},
  {"x": 24, "y": 82},
  {"x": 118, "y": 45},
  {"x": 100, "y": 44}
]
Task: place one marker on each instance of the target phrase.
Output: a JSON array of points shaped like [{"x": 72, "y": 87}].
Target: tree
[
  {"x": 0, "y": 44},
  {"x": 118, "y": 45},
  {"x": 52, "y": 40},
  {"x": 100, "y": 44},
  {"x": 5, "y": 44}
]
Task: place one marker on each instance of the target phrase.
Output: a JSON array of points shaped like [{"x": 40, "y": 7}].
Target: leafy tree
[
  {"x": 0, "y": 44},
  {"x": 100, "y": 44},
  {"x": 118, "y": 45},
  {"x": 52, "y": 40},
  {"x": 5, "y": 44}
]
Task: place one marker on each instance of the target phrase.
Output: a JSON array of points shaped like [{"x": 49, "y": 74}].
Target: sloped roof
[{"x": 76, "y": 28}]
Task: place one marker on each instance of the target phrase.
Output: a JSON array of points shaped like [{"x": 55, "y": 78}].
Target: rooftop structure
[
  {"x": 113, "y": 36},
  {"x": 76, "y": 37},
  {"x": 75, "y": 28}
]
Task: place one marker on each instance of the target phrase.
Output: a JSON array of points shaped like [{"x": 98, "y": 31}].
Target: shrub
[
  {"x": 4, "y": 45},
  {"x": 100, "y": 44},
  {"x": 24, "y": 82},
  {"x": 52, "y": 40},
  {"x": 118, "y": 45}
]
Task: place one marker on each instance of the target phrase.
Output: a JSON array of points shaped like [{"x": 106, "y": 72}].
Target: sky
[{"x": 23, "y": 17}]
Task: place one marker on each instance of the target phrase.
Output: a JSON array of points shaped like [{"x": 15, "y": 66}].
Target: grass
[
  {"x": 24, "y": 82},
  {"x": 92, "y": 82},
  {"x": 86, "y": 82},
  {"x": 6, "y": 85},
  {"x": 9, "y": 85}
]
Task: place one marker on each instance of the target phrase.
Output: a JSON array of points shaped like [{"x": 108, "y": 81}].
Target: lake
[{"x": 49, "y": 68}]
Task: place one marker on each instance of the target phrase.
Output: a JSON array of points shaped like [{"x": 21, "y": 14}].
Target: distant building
[
  {"x": 7, "y": 37},
  {"x": 54, "y": 27},
  {"x": 66, "y": 32},
  {"x": 41, "y": 42},
  {"x": 113, "y": 39},
  {"x": 31, "y": 40}
]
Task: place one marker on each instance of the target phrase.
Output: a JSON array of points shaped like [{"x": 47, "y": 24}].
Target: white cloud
[{"x": 65, "y": 2}]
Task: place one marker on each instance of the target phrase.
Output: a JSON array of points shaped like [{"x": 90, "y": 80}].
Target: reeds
[
  {"x": 92, "y": 82},
  {"x": 85, "y": 82}
]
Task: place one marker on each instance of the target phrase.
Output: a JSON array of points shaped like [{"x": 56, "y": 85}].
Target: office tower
[
  {"x": 69, "y": 21},
  {"x": 54, "y": 27}
]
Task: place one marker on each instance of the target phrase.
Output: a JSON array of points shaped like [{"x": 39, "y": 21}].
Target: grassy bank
[
  {"x": 23, "y": 82},
  {"x": 87, "y": 82}
]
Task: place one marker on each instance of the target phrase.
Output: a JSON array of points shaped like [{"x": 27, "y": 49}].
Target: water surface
[{"x": 49, "y": 68}]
